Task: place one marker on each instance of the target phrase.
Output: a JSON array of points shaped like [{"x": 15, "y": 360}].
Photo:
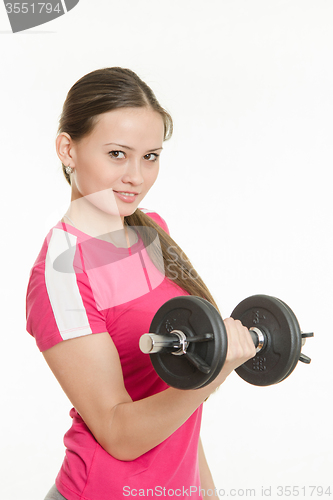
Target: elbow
[
  {"x": 116, "y": 439},
  {"x": 122, "y": 450}
]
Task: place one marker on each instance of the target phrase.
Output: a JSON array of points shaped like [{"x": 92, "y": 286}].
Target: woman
[{"x": 101, "y": 275}]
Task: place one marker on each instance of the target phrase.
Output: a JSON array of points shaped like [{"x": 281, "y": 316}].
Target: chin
[{"x": 127, "y": 213}]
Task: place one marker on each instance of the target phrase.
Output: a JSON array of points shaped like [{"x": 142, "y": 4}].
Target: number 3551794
[{"x": 32, "y": 8}]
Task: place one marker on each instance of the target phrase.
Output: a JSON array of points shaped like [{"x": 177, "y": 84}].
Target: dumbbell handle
[
  {"x": 177, "y": 342},
  {"x": 258, "y": 337},
  {"x": 151, "y": 343}
]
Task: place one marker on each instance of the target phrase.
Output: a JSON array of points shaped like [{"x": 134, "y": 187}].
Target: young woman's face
[{"x": 118, "y": 162}]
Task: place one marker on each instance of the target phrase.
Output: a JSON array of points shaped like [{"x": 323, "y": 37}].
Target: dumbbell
[{"x": 189, "y": 342}]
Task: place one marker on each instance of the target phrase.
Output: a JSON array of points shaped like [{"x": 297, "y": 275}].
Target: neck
[{"x": 96, "y": 214}]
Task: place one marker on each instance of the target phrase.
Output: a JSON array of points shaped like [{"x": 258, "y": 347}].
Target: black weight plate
[
  {"x": 224, "y": 342},
  {"x": 193, "y": 316},
  {"x": 278, "y": 359},
  {"x": 299, "y": 332}
]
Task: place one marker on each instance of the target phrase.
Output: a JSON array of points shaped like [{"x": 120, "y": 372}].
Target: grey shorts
[{"x": 54, "y": 494}]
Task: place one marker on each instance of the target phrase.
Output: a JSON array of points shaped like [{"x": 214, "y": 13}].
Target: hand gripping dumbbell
[{"x": 189, "y": 344}]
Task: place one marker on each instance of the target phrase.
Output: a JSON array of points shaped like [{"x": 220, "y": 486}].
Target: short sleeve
[{"x": 60, "y": 304}]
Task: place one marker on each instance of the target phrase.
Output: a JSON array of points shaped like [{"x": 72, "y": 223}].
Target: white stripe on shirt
[{"x": 62, "y": 287}]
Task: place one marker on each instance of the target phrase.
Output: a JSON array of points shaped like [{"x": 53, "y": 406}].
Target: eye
[
  {"x": 117, "y": 154},
  {"x": 151, "y": 156}
]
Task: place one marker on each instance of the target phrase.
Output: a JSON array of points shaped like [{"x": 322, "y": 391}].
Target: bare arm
[{"x": 89, "y": 371}]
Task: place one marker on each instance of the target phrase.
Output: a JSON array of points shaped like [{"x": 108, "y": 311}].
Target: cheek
[
  {"x": 95, "y": 176},
  {"x": 152, "y": 176},
  {"x": 86, "y": 183}
]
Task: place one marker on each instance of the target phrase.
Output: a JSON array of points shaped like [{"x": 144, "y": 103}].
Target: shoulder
[
  {"x": 156, "y": 217},
  {"x": 60, "y": 303},
  {"x": 57, "y": 251}
]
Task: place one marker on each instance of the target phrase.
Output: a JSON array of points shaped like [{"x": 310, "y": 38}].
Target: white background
[{"x": 245, "y": 187}]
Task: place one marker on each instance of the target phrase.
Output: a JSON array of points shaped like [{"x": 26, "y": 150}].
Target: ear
[{"x": 64, "y": 146}]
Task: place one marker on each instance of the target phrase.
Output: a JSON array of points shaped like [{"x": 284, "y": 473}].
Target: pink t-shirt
[{"x": 81, "y": 285}]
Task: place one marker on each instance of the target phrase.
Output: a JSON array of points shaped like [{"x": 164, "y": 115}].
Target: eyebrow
[{"x": 128, "y": 147}]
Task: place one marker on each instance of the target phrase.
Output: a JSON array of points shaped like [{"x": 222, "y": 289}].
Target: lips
[
  {"x": 125, "y": 192},
  {"x": 126, "y": 196}
]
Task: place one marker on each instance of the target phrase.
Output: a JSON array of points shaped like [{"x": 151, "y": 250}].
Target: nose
[{"x": 133, "y": 174}]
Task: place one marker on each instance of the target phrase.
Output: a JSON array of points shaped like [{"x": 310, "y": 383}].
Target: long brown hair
[{"x": 107, "y": 89}]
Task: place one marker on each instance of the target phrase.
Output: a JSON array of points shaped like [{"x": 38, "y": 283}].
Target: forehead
[{"x": 137, "y": 125}]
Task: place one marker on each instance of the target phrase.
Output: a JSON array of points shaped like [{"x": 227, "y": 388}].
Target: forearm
[
  {"x": 131, "y": 429},
  {"x": 134, "y": 428},
  {"x": 89, "y": 371}
]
